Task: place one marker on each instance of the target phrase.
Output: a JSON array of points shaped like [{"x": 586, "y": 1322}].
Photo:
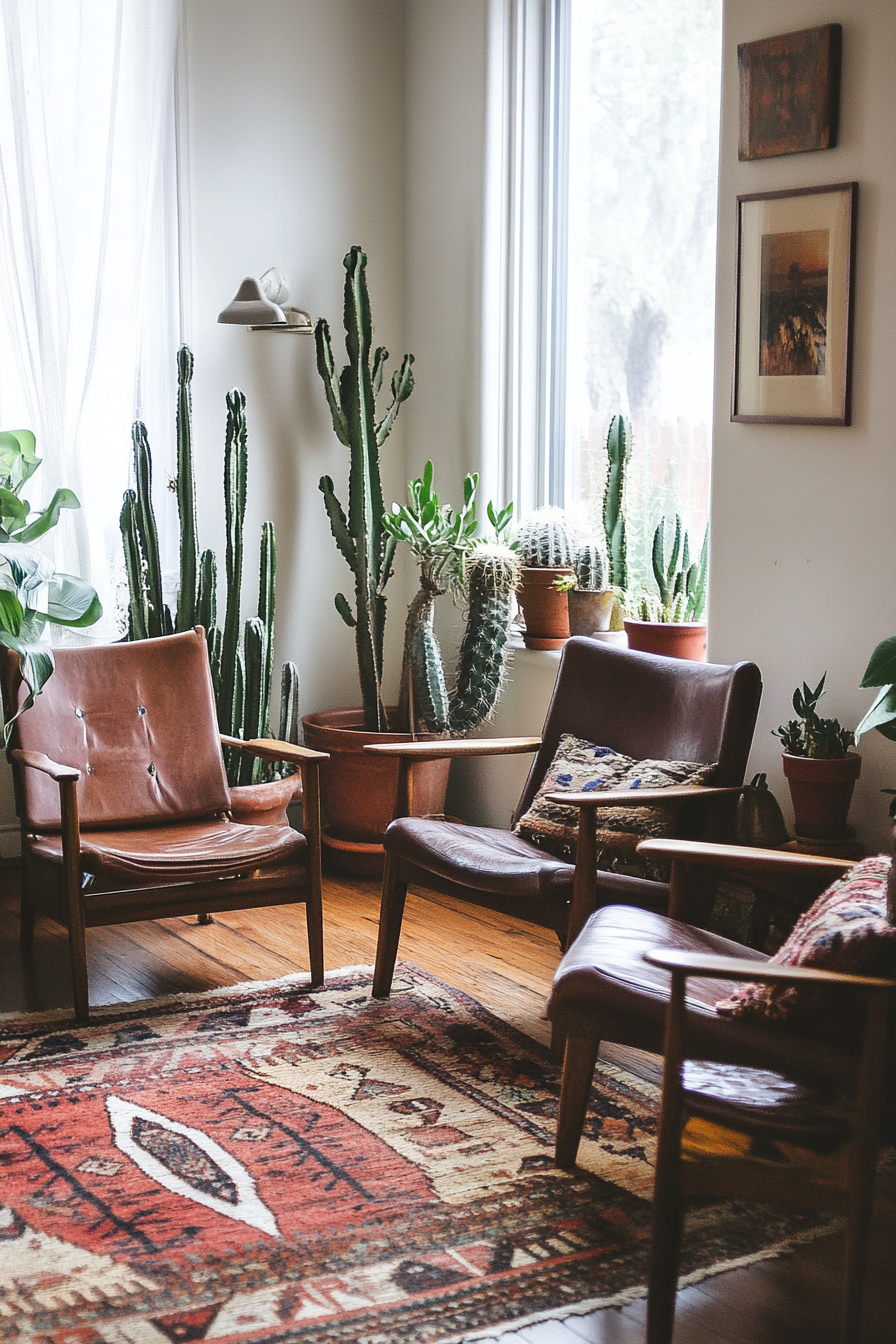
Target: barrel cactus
[
  {"x": 482, "y": 573},
  {"x": 545, "y": 540},
  {"x": 241, "y": 655},
  {"x": 589, "y": 565}
]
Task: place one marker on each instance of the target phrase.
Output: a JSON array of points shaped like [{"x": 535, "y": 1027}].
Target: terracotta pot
[
  {"x": 264, "y": 804},
  {"x": 672, "y": 639},
  {"x": 590, "y": 611},
  {"x": 821, "y": 792},
  {"x": 358, "y": 789},
  {"x": 545, "y": 610}
]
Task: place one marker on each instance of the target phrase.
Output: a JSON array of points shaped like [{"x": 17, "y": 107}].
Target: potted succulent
[
  {"x": 591, "y": 603},
  {"x": 671, "y": 623},
  {"x": 619, "y": 450},
  {"x": 547, "y": 555},
  {"x": 819, "y": 767},
  {"x": 357, "y": 787},
  {"x": 241, "y": 655},
  {"x": 33, "y": 594}
]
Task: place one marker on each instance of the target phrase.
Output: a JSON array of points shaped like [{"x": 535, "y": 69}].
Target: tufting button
[
  {"x": 141, "y": 710},
  {"x": 79, "y": 713},
  {"x": 89, "y": 769},
  {"x": 151, "y": 769}
]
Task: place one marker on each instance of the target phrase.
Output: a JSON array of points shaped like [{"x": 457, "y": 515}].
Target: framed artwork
[
  {"x": 792, "y": 334},
  {"x": 789, "y": 92}
]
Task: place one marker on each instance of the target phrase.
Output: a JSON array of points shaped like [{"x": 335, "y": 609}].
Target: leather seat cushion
[
  {"x": 480, "y": 858},
  {"x": 195, "y": 851},
  {"x": 604, "y": 981}
]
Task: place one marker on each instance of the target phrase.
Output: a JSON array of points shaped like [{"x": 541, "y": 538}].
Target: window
[{"x": 644, "y": 98}]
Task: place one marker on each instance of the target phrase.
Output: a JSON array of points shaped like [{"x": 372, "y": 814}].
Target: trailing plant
[
  {"x": 33, "y": 595},
  {"x": 681, "y": 583},
  {"x": 809, "y": 735},
  {"x": 546, "y": 540},
  {"x": 367, "y": 547},
  {"x": 619, "y": 450},
  {"x": 241, "y": 654},
  {"x": 453, "y": 559}
]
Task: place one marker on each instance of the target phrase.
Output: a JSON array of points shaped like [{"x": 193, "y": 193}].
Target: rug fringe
[{"x": 629, "y": 1295}]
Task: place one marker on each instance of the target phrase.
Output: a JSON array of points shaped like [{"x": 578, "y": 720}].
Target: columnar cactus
[
  {"x": 241, "y": 657},
  {"x": 492, "y": 574},
  {"x": 545, "y": 539},
  {"x": 681, "y": 584},
  {"x": 589, "y": 566},
  {"x": 619, "y": 450},
  {"x": 368, "y": 550}
]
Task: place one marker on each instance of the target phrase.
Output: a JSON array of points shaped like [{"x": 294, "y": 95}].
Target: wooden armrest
[
  {"x": 271, "y": 749},
  {"x": 742, "y": 968},
  {"x": 742, "y": 858},
  {"x": 446, "y": 748},
  {"x": 36, "y": 760},
  {"x": 638, "y": 797}
]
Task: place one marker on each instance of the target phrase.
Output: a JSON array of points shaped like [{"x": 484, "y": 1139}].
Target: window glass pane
[{"x": 644, "y": 136}]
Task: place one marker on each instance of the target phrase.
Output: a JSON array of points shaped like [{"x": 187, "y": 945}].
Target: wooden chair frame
[{"x": 78, "y": 912}]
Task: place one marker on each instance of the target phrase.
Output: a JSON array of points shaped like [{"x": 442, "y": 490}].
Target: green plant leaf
[
  {"x": 37, "y": 667},
  {"x": 881, "y": 715},
  {"x": 49, "y": 517},
  {"x": 72, "y": 601},
  {"x": 881, "y": 669},
  {"x": 11, "y": 613}
]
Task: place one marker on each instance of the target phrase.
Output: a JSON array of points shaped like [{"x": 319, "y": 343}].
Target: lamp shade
[{"x": 250, "y": 308}]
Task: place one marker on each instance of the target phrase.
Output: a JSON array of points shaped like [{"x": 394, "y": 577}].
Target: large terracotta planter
[
  {"x": 545, "y": 609},
  {"x": 358, "y": 788},
  {"x": 589, "y": 612},
  {"x": 672, "y": 639},
  {"x": 821, "y": 792},
  {"x": 264, "y": 804}
]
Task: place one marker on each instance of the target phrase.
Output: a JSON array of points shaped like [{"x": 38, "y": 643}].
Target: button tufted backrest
[{"x": 138, "y": 720}]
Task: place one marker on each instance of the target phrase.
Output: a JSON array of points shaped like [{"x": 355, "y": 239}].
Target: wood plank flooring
[{"x": 505, "y": 963}]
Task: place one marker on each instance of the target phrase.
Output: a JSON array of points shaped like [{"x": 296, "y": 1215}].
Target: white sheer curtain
[{"x": 88, "y": 271}]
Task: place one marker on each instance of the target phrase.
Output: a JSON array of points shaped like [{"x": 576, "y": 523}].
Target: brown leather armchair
[
  {"x": 133, "y": 824},
  {"x": 638, "y": 704}
]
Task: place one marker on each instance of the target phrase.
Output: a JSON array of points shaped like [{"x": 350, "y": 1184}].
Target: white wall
[
  {"x": 295, "y": 133},
  {"x": 803, "y": 565}
]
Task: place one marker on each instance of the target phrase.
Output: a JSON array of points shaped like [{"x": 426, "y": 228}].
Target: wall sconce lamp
[{"x": 261, "y": 305}]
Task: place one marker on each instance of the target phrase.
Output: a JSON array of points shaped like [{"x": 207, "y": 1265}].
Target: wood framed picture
[
  {"x": 792, "y": 337},
  {"x": 789, "y": 92}
]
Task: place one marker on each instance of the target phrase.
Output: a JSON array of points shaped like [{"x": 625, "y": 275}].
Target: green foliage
[
  {"x": 240, "y": 655},
  {"x": 681, "y": 583},
  {"x": 809, "y": 735},
  {"x": 364, "y": 544},
  {"x": 619, "y": 450},
  {"x": 452, "y": 558},
  {"x": 881, "y": 673},
  {"x": 32, "y": 594}
]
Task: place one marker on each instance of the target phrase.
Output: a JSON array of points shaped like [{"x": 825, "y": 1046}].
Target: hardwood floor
[{"x": 505, "y": 963}]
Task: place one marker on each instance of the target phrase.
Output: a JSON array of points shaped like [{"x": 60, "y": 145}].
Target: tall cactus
[
  {"x": 619, "y": 450},
  {"x": 241, "y": 657},
  {"x": 451, "y": 558},
  {"x": 368, "y": 550}
]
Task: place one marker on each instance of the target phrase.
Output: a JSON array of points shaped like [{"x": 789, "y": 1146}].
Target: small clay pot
[
  {"x": 821, "y": 793},
  {"x": 545, "y": 608},
  {"x": 671, "y": 639},
  {"x": 590, "y": 611}
]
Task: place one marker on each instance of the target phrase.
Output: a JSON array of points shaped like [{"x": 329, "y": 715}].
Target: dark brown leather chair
[
  {"x": 634, "y": 703},
  {"x": 605, "y": 991},
  {"x": 783, "y": 1141},
  {"x": 123, "y": 799}
]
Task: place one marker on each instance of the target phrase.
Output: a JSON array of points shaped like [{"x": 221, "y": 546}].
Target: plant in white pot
[{"x": 819, "y": 767}]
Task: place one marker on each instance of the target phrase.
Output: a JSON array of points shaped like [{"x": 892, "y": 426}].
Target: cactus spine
[
  {"x": 589, "y": 568},
  {"x": 368, "y": 550},
  {"x": 546, "y": 541},
  {"x": 241, "y": 658},
  {"x": 619, "y": 450}
]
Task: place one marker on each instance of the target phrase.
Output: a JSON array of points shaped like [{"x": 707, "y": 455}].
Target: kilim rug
[{"x": 272, "y": 1162}]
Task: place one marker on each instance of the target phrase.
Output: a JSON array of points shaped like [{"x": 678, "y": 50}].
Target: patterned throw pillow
[
  {"x": 578, "y": 767},
  {"x": 846, "y": 930}
]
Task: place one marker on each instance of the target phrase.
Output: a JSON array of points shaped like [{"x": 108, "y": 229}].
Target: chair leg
[
  {"x": 77, "y": 947},
  {"x": 315, "y": 921},
  {"x": 26, "y": 912},
  {"x": 575, "y": 1089},
  {"x": 558, "y": 1043},
  {"x": 665, "y": 1246},
  {"x": 391, "y": 915}
]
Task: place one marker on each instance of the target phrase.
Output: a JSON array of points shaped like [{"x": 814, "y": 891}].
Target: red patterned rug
[{"x": 275, "y": 1163}]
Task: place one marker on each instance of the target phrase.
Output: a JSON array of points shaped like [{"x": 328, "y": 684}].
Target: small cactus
[
  {"x": 590, "y": 570},
  {"x": 681, "y": 583},
  {"x": 545, "y": 540}
]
